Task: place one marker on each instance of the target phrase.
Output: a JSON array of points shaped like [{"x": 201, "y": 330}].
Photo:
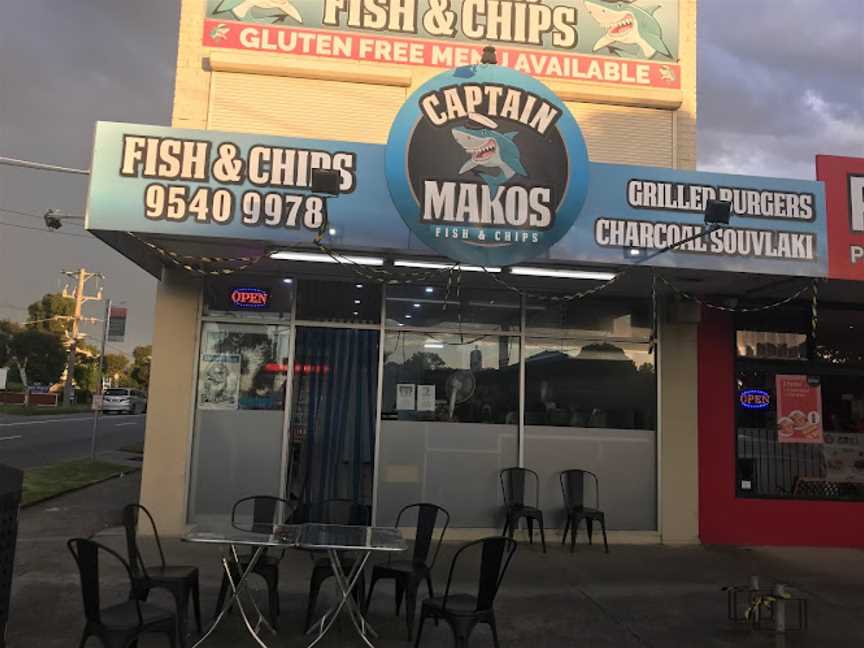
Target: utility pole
[
  {"x": 82, "y": 277},
  {"x": 97, "y": 411}
]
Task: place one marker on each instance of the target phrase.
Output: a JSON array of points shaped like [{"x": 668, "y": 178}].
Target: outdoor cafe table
[{"x": 332, "y": 538}]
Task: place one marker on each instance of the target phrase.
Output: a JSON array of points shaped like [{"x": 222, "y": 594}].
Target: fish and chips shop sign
[
  {"x": 484, "y": 165},
  {"x": 619, "y": 42},
  {"x": 487, "y": 166}
]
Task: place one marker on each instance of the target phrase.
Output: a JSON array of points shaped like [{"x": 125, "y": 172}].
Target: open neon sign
[
  {"x": 250, "y": 297},
  {"x": 754, "y": 399}
]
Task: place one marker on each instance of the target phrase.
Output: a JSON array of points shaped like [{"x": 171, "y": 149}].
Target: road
[{"x": 28, "y": 441}]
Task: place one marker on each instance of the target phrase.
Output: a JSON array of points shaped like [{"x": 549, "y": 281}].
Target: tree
[
  {"x": 116, "y": 364},
  {"x": 140, "y": 371},
  {"x": 38, "y": 356},
  {"x": 51, "y": 306}
]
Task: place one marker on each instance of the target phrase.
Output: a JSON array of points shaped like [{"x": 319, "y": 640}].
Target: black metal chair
[
  {"x": 573, "y": 490},
  {"x": 513, "y": 486},
  {"x": 119, "y": 625},
  {"x": 336, "y": 511},
  {"x": 180, "y": 580},
  {"x": 463, "y": 612},
  {"x": 265, "y": 512},
  {"x": 408, "y": 574}
]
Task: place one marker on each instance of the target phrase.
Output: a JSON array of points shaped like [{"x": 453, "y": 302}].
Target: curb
[{"x": 131, "y": 471}]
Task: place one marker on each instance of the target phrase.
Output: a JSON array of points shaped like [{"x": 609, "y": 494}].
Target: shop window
[
  {"x": 451, "y": 378},
  {"x": 800, "y": 413},
  {"x": 248, "y": 298},
  {"x": 451, "y": 307},
  {"x": 590, "y": 384},
  {"x": 355, "y": 302},
  {"x": 590, "y": 318}
]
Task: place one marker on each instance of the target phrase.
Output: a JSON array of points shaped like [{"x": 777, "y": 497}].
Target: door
[
  {"x": 240, "y": 415},
  {"x": 334, "y": 410}
]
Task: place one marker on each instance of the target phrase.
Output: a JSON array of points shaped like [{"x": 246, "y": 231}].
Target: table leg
[
  {"x": 346, "y": 585},
  {"x": 236, "y": 589},
  {"x": 261, "y": 618}
]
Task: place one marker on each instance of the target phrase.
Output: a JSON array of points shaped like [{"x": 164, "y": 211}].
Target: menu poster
[
  {"x": 425, "y": 398},
  {"x": 799, "y": 410},
  {"x": 844, "y": 457},
  {"x": 219, "y": 381},
  {"x": 405, "y": 396}
]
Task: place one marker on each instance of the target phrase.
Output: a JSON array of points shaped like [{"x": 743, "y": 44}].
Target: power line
[
  {"x": 44, "y": 231},
  {"x": 19, "y": 213},
  {"x": 39, "y": 166}
]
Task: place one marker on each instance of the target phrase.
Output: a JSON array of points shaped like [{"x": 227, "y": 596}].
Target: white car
[{"x": 122, "y": 400}]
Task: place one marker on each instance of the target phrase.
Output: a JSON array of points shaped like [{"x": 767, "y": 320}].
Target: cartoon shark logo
[
  {"x": 220, "y": 32},
  {"x": 627, "y": 24},
  {"x": 667, "y": 74},
  {"x": 240, "y": 9},
  {"x": 487, "y": 148}
]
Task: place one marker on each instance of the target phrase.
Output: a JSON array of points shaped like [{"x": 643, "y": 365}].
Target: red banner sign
[
  {"x": 437, "y": 53},
  {"x": 844, "y": 197},
  {"x": 799, "y": 410}
]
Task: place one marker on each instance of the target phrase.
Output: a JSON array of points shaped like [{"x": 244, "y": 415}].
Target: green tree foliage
[
  {"x": 51, "y": 305},
  {"x": 115, "y": 366},
  {"x": 140, "y": 371},
  {"x": 38, "y": 356}
]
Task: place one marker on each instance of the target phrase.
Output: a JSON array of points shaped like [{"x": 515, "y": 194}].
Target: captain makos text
[{"x": 479, "y": 194}]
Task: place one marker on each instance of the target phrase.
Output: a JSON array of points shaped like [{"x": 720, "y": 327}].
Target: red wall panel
[{"x": 725, "y": 519}]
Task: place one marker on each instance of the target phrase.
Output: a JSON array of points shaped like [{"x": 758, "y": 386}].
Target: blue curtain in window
[{"x": 335, "y": 394}]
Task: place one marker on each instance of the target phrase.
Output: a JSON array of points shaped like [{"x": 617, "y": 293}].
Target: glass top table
[{"x": 331, "y": 538}]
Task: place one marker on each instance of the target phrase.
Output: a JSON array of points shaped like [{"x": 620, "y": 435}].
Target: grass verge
[
  {"x": 20, "y": 410},
  {"x": 49, "y": 481}
]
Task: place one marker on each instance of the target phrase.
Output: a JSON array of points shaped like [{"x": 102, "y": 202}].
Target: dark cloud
[{"x": 780, "y": 82}]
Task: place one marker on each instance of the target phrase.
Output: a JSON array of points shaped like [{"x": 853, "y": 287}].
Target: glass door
[
  {"x": 239, "y": 418},
  {"x": 332, "y": 431}
]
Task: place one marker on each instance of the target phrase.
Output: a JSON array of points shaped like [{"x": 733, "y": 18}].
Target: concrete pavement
[
  {"x": 635, "y": 597},
  {"x": 29, "y": 441}
]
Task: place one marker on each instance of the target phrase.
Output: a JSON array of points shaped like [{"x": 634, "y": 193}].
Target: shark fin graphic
[
  {"x": 494, "y": 182},
  {"x": 470, "y": 164},
  {"x": 510, "y": 136},
  {"x": 518, "y": 167},
  {"x": 658, "y": 44},
  {"x": 653, "y": 10}
]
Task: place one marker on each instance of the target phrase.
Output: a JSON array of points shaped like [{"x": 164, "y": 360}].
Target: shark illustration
[
  {"x": 240, "y": 8},
  {"x": 627, "y": 24},
  {"x": 492, "y": 150}
]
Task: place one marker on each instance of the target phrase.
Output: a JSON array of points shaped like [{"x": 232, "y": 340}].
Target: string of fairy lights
[{"x": 451, "y": 275}]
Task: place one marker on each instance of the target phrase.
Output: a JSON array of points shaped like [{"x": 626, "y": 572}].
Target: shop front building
[{"x": 393, "y": 263}]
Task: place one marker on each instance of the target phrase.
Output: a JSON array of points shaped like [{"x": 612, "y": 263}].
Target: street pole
[
  {"x": 80, "y": 299},
  {"x": 97, "y": 411}
]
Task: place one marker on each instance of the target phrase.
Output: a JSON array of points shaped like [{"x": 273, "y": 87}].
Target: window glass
[
  {"x": 248, "y": 298},
  {"x": 598, "y": 385},
  {"x": 772, "y": 345},
  {"x": 779, "y": 463},
  {"x": 453, "y": 378},
  {"x": 838, "y": 338},
  {"x": 356, "y": 302},
  {"x": 591, "y": 318},
  {"x": 453, "y": 308}
]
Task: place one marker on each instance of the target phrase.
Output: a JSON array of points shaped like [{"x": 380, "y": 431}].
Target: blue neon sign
[{"x": 754, "y": 399}]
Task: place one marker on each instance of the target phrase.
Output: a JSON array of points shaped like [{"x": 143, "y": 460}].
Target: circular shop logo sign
[{"x": 487, "y": 166}]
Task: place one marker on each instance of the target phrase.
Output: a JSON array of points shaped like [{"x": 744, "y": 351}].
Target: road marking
[
  {"x": 56, "y": 420},
  {"x": 10, "y": 438}
]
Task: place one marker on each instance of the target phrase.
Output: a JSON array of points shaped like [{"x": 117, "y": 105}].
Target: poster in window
[
  {"x": 405, "y": 396},
  {"x": 799, "y": 410},
  {"x": 219, "y": 381},
  {"x": 425, "y": 398},
  {"x": 844, "y": 457}
]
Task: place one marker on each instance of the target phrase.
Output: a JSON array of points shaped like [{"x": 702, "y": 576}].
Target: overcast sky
[{"x": 779, "y": 81}]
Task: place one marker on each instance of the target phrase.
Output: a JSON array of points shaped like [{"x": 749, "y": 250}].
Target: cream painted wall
[
  {"x": 172, "y": 393},
  {"x": 678, "y": 407}
]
